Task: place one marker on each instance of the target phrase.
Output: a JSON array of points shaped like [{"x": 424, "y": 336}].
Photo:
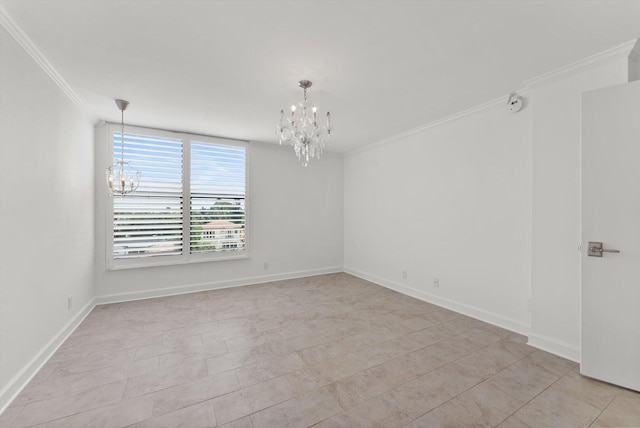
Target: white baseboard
[
  {"x": 22, "y": 378},
  {"x": 554, "y": 346},
  {"x": 205, "y": 286},
  {"x": 547, "y": 344},
  {"x": 480, "y": 314}
]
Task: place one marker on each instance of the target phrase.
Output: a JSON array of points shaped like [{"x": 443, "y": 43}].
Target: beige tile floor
[{"x": 325, "y": 351}]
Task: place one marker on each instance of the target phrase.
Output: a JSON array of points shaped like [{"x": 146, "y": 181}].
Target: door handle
[{"x": 596, "y": 249}]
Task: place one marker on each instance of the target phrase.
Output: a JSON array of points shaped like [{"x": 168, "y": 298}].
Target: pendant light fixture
[
  {"x": 122, "y": 179},
  {"x": 302, "y": 130}
]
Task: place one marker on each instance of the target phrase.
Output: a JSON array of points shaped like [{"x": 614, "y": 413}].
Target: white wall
[
  {"x": 634, "y": 68},
  {"x": 46, "y": 212},
  {"x": 555, "y": 321},
  {"x": 452, "y": 201},
  {"x": 634, "y": 62},
  {"x": 296, "y": 226},
  {"x": 449, "y": 202},
  {"x": 487, "y": 203}
]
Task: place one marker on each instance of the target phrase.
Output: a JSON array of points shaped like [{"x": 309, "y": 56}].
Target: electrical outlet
[
  {"x": 266, "y": 265},
  {"x": 69, "y": 302},
  {"x": 436, "y": 282},
  {"x": 404, "y": 274}
]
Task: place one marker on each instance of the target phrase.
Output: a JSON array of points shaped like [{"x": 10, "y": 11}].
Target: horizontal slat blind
[
  {"x": 217, "y": 202},
  {"x": 148, "y": 222}
]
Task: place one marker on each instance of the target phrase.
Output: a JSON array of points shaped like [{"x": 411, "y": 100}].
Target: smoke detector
[{"x": 515, "y": 103}]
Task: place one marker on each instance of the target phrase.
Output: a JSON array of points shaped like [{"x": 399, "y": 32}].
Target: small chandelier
[
  {"x": 121, "y": 178},
  {"x": 302, "y": 130}
]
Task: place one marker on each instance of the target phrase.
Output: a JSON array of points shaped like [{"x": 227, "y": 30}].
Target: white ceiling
[{"x": 226, "y": 68}]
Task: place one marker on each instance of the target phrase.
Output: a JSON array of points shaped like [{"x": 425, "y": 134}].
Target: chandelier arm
[{"x": 307, "y": 136}]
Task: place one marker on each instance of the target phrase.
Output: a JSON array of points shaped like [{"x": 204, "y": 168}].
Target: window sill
[{"x": 138, "y": 265}]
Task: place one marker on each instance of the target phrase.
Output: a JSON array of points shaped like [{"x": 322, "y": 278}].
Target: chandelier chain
[
  {"x": 122, "y": 135},
  {"x": 121, "y": 178}
]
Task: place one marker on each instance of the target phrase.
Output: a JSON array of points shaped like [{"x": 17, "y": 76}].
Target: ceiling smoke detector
[{"x": 515, "y": 103}]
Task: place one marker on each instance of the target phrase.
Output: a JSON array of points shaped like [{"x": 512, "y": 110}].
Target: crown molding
[
  {"x": 12, "y": 27},
  {"x": 635, "y": 52},
  {"x": 501, "y": 101},
  {"x": 630, "y": 49},
  {"x": 623, "y": 50}
]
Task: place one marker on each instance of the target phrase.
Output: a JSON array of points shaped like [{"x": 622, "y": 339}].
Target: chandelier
[
  {"x": 302, "y": 130},
  {"x": 121, "y": 178}
]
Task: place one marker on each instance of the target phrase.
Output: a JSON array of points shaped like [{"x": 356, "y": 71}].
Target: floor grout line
[{"x": 289, "y": 305}]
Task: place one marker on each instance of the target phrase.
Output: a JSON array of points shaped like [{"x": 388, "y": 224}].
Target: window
[{"x": 191, "y": 203}]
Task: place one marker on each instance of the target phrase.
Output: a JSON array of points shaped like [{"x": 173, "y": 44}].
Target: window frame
[{"x": 186, "y": 257}]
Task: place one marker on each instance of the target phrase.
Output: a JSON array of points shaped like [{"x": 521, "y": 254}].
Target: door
[{"x": 610, "y": 346}]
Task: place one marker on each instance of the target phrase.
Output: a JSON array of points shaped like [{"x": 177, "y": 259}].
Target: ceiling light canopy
[
  {"x": 122, "y": 179},
  {"x": 302, "y": 130}
]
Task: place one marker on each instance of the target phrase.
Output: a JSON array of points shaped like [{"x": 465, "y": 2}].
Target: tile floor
[{"x": 325, "y": 351}]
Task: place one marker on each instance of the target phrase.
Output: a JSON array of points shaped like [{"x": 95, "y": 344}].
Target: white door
[{"x": 611, "y": 215}]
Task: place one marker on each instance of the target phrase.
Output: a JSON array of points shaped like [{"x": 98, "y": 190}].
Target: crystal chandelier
[
  {"x": 121, "y": 178},
  {"x": 302, "y": 130}
]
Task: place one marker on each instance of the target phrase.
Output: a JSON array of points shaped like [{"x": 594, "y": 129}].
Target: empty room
[{"x": 297, "y": 213}]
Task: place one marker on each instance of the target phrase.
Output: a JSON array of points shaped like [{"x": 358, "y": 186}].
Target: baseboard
[
  {"x": 554, "y": 346},
  {"x": 205, "y": 286},
  {"x": 22, "y": 378},
  {"x": 480, "y": 314},
  {"x": 547, "y": 344}
]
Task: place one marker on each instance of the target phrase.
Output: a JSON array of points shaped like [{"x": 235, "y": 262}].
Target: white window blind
[
  {"x": 191, "y": 203},
  {"x": 217, "y": 198},
  {"x": 148, "y": 222}
]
